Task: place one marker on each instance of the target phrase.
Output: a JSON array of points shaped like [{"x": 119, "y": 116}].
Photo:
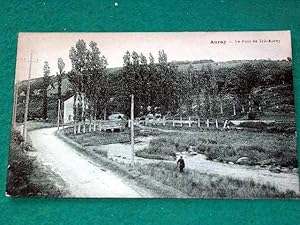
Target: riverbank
[{"x": 165, "y": 173}]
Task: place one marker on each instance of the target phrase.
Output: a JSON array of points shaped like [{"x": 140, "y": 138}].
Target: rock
[
  {"x": 285, "y": 169},
  {"x": 276, "y": 169},
  {"x": 269, "y": 167},
  {"x": 266, "y": 162},
  {"x": 231, "y": 163},
  {"x": 193, "y": 153},
  {"x": 243, "y": 161}
]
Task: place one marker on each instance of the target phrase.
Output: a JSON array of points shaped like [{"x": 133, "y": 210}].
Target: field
[
  {"x": 199, "y": 185},
  {"x": 164, "y": 179},
  {"x": 278, "y": 149},
  {"x": 103, "y": 138}
]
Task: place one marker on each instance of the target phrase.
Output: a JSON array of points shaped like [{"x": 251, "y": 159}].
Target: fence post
[
  {"x": 100, "y": 126},
  {"x": 217, "y": 124},
  {"x": 199, "y": 122},
  {"x": 190, "y": 123},
  {"x": 234, "y": 109},
  {"x": 74, "y": 127},
  {"x": 207, "y": 123},
  {"x": 129, "y": 123},
  {"x": 225, "y": 124},
  {"x": 94, "y": 124},
  {"x": 173, "y": 122},
  {"x": 90, "y": 125},
  {"x": 79, "y": 127},
  {"x": 181, "y": 121},
  {"x": 83, "y": 127}
]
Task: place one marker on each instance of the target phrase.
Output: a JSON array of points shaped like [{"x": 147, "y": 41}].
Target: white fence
[{"x": 190, "y": 122}]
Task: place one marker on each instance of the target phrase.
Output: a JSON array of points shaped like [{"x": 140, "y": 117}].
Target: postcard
[{"x": 154, "y": 115}]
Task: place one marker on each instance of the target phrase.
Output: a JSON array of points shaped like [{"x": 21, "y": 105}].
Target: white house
[{"x": 68, "y": 110}]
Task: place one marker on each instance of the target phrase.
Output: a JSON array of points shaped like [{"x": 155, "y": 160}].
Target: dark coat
[{"x": 181, "y": 163}]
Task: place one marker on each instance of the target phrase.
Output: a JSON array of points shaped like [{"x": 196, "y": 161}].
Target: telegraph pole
[
  {"x": 14, "y": 122},
  {"x": 58, "y": 114},
  {"x": 27, "y": 98},
  {"x": 132, "y": 129}
]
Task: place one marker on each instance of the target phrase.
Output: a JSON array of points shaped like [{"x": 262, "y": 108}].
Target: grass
[
  {"x": 25, "y": 177},
  {"x": 165, "y": 180},
  {"x": 34, "y": 125},
  {"x": 103, "y": 138},
  {"x": 98, "y": 137},
  {"x": 277, "y": 148},
  {"x": 199, "y": 185}
]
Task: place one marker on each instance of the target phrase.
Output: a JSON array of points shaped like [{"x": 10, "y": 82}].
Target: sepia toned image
[{"x": 154, "y": 115}]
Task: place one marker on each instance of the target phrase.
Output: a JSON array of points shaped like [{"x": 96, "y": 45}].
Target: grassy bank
[
  {"x": 198, "y": 185},
  {"x": 165, "y": 180},
  {"x": 228, "y": 146},
  {"x": 34, "y": 125},
  {"x": 25, "y": 176},
  {"x": 96, "y": 138}
]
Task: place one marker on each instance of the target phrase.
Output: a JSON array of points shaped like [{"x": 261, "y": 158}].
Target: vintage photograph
[{"x": 154, "y": 115}]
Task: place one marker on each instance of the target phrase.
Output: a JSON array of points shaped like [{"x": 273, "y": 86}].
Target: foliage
[
  {"x": 228, "y": 146},
  {"x": 88, "y": 79},
  {"x": 23, "y": 178},
  {"x": 154, "y": 86},
  {"x": 61, "y": 66},
  {"x": 46, "y": 83}
]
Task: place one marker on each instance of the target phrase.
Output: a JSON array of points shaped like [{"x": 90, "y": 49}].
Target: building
[{"x": 68, "y": 110}]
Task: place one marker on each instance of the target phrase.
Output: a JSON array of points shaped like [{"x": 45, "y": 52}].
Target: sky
[{"x": 218, "y": 46}]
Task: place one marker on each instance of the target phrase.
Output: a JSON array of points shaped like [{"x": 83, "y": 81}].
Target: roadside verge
[{"x": 131, "y": 175}]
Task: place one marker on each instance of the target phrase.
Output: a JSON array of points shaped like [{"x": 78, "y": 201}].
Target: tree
[
  {"x": 78, "y": 56},
  {"x": 88, "y": 78},
  {"x": 46, "y": 83},
  {"x": 167, "y": 82},
  {"x": 97, "y": 87},
  {"x": 61, "y": 66}
]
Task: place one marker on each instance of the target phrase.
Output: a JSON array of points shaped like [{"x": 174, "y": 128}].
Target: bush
[
  {"x": 252, "y": 115},
  {"x": 22, "y": 179}
]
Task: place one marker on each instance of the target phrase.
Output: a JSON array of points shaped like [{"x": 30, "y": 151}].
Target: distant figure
[{"x": 181, "y": 164}]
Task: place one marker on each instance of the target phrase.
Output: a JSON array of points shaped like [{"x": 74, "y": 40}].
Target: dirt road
[
  {"x": 283, "y": 181},
  {"x": 82, "y": 177}
]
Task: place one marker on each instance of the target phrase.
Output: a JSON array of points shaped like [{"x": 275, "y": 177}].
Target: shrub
[{"x": 22, "y": 179}]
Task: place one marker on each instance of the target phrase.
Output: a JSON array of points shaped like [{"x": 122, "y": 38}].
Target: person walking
[{"x": 181, "y": 164}]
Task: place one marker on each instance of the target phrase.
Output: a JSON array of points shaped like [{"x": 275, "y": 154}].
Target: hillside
[{"x": 277, "y": 101}]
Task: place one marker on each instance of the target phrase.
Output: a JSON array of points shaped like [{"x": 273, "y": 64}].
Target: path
[
  {"x": 82, "y": 177},
  {"x": 283, "y": 181}
]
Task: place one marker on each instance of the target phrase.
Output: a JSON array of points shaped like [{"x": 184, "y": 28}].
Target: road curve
[{"x": 81, "y": 176}]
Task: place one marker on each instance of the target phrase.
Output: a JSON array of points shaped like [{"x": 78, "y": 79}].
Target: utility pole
[
  {"x": 58, "y": 114},
  {"x": 27, "y": 98},
  {"x": 14, "y": 122},
  {"x": 132, "y": 129}
]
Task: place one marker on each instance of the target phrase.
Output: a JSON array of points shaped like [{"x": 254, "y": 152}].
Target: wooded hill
[{"x": 203, "y": 88}]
